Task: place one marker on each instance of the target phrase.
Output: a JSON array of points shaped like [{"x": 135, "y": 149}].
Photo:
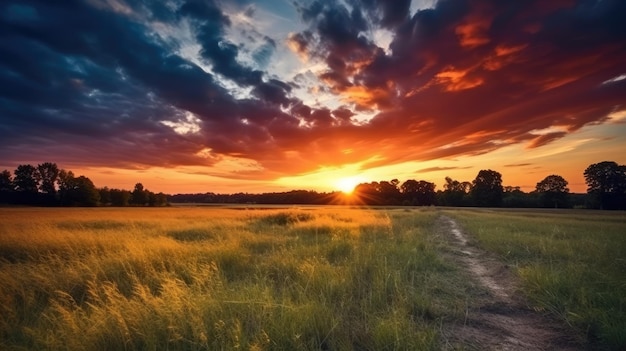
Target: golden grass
[{"x": 206, "y": 278}]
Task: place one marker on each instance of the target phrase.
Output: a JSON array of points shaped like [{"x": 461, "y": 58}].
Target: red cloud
[
  {"x": 456, "y": 80},
  {"x": 473, "y": 32}
]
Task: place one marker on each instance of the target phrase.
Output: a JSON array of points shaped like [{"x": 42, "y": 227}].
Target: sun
[{"x": 347, "y": 184}]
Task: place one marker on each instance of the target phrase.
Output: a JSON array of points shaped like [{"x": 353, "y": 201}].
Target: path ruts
[{"x": 502, "y": 321}]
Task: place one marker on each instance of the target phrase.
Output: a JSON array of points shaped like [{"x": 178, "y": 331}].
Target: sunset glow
[
  {"x": 266, "y": 96},
  {"x": 347, "y": 185}
]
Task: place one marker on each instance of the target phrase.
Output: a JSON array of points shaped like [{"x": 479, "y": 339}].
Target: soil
[{"x": 501, "y": 320}]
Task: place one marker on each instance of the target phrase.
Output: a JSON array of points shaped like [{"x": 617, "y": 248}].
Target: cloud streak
[
  {"x": 439, "y": 169},
  {"x": 99, "y": 83}
]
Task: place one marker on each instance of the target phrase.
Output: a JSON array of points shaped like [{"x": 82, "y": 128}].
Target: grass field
[
  {"x": 211, "y": 278},
  {"x": 311, "y": 278},
  {"x": 572, "y": 264}
]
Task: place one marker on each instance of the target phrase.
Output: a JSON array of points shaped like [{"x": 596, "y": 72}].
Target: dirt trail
[{"x": 501, "y": 321}]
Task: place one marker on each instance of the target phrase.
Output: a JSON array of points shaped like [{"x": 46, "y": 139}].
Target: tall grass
[
  {"x": 572, "y": 264},
  {"x": 222, "y": 279}
]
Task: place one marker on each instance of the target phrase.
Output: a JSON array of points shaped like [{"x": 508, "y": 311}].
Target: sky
[{"x": 194, "y": 96}]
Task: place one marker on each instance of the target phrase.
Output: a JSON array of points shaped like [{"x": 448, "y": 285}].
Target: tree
[
  {"x": 367, "y": 193},
  {"x": 65, "y": 182},
  {"x": 120, "y": 197},
  {"x": 152, "y": 199},
  {"x": 25, "y": 184},
  {"x": 420, "y": 193},
  {"x": 6, "y": 187},
  {"x": 513, "y": 196},
  {"x": 105, "y": 195},
  {"x": 389, "y": 192},
  {"x": 139, "y": 196},
  {"x": 81, "y": 191},
  {"x": 606, "y": 182},
  {"x": 25, "y": 179},
  {"x": 161, "y": 199},
  {"x": 6, "y": 183},
  {"x": 455, "y": 192},
  {"x": 487, "y": 189},
  {"x": 409, "y": 191},
  {"x": 553, "y": 191},
  {"x": 47, "y": 174},
  {"x": 511, "y": 189}
]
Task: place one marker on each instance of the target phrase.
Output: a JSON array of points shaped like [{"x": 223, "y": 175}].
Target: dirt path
[{"x": 502, "y": 320}]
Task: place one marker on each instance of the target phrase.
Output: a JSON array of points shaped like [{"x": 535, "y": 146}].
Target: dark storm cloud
[
  {"x": 208, "y": 24},
  {"x": 274, "y": 91},
  {"x": 343, "y": 113},
  {"x": 92, "y": 83},
  {"x": 301, "y": 110},
  {"x": 66, "y": 77}
]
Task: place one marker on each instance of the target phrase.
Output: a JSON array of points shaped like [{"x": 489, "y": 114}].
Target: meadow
[
  {"x": 223, "y": 279},
  {"x": 292, "y": 278},
  {"x": 571, "y": 264}
]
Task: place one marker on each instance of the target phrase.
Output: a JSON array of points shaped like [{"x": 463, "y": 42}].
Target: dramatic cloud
[{"x": 241, "y": 85}]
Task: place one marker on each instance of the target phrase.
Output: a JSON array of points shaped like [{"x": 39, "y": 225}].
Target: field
[
  {"x": 572, "y": 264},
  {"x": 310, "y": 278}
]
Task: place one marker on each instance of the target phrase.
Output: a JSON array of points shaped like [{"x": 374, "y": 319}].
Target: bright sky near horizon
[{"x": 273, "y": 95}]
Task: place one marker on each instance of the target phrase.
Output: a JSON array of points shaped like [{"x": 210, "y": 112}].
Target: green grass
[
  {"x": 220, "y": 279},
  {"x": 289, "y": 279},
  {"x": 572, "y": 264}
]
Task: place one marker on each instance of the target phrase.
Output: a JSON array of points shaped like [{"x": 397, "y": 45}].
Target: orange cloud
[
  {"x": 298, "y": 43},
  {"x": 545, "y": 139},
  {"x": 457, "y": 80},
  {"x": 503, "y": 55},
  {"x": 364, "y": 97},
  {"x": 473, "y": 33}
]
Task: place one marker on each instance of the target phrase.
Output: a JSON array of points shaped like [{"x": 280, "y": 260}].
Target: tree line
[
  {"x": 606, "y": 189},
  {"x": 47, "y": 185},
  {"x": 606, "y": 183}
]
